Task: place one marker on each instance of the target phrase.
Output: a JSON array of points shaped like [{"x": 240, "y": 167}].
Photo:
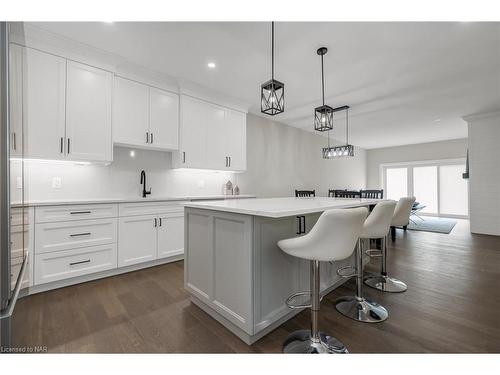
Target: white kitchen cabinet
[
  {"x": 211, "y": 136},
  {"x": 236, "y": 139},
  {"x": 88, "y": 113},
  {"x": 16, "y": 99},
  {"x": 170, "y": 235},
  {"x": 137, "y": 239},
  {"x": 44, "y": 104},
  {"x": 193, "y": 132},
  {"x": 163, "y": 119},
  {"x": 130, "y": 113},
  {"x": 62, "y": 107},
  {"x": 145, "y": 116}
]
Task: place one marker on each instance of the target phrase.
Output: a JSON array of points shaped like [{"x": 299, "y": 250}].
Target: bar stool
[
  {"x": 332, "y": 238},
  {"x": 357, "y": 307},
  {"x": 383, "y": 282}
]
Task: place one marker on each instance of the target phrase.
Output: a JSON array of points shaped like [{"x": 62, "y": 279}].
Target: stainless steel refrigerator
[{"x": 11, "y": 160}]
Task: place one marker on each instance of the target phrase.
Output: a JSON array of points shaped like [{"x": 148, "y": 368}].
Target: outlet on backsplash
[{"x": 56, "y": 182}]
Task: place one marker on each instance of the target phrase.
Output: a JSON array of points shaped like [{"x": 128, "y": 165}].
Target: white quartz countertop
[
  {"x": 282, "y": 207},
  {"x": 195, "y": 198}
]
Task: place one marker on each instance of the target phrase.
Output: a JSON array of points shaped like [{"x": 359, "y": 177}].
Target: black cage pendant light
[
  {"x": 272, "y": 93},
  {"x": 342, "y": 150},
  {"x": 323, "y": 116}
]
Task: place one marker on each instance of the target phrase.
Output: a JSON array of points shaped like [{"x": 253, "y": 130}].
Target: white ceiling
[{"x": 398, "y": 78}]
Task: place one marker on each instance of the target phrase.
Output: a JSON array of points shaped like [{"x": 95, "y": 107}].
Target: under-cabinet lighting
[
  {"x": 211, "y": 65},
  {"x": 56, "y": 161}
]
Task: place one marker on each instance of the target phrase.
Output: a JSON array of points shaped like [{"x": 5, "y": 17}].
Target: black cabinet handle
[
  {"x": 62, "y": 145},
  {"x": 152, "y": 138},
  {"x": 147, "y": 137},
  {"x": 156, "y": 222},
  {"x": 80, "y": 234},
  {"x": 183, "y": 156},
  {"x": 301, "y": 224},
  {"x": 69, "y": 141},
  {"x": 14, "y": 141},
  {"x": 81, "y": 262},
  {"x": 79, "y": 212},
  {"x": 230, "y": 161},
  {"x": 160, "y": 221}
]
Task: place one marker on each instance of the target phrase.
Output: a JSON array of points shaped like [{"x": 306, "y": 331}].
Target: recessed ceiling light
[
  {"x": 211, "y": 65},
  {"x": 437, "y": 120}
]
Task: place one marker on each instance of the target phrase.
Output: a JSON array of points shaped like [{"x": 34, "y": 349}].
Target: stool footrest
[
  {"x": 346, "y": 276},
  {"x": 374, "y": 253},
  {"x": 305, "y": 305}
]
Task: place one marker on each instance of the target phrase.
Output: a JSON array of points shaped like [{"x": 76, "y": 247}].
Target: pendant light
[
  {"x": 272, "y": 93},
  {"x": 343, "y": 150},
  {"x": 323, "y": 116}
]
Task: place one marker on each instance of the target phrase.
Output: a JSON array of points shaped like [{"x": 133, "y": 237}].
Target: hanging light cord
[
  {"x": 322, "y": 80},
  {"x": 272, "y": 50},
  {"x": 347, "y": 125}
]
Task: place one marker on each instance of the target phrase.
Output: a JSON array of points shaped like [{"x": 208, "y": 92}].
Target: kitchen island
[{"x": 234, "y": 270}]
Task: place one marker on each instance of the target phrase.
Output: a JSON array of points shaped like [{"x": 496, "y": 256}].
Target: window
[
  {"x": 439, "y": 186},
  {"x": 396, "y": 183}
]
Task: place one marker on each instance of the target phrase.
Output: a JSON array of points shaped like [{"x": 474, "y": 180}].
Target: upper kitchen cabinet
[
  {"x": 16, "y": 100},
  {"x": 88, "y": 113},
  {"x": 164, "y": 119},
  {"x": 43, "y": 104},
  {"x": 144, "y": 116},
  {"x": 130, "y": 113},
  {"x": 63, "y": 107},
  {"x": 211, "y": 136}
]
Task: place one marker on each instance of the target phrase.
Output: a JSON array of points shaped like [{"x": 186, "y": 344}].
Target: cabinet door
[
  {"x": 136, "y": 240},
  {"x": 217, "y": 150},
  {"x": 130, "y": 113},
  {"x": 171, "y": 235},
  {"x": 236, "y": 139},
  {"x": 44, "y": 97},
  {"x": 88, "y": 113},
  {"x": 164, "y": 119},
  {"x": 16, "y": 99},
  {"x": 193, "y": 133}
]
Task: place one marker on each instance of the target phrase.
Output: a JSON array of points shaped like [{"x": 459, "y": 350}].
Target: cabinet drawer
[
  {"x": 61, "y": 265},
  {"x": 19, "y": 240},
  {"x": 75, "y": 212},
  {"x": 150, "y": 208},
  {"x": 74, "y": 234},
  {"x": 18, "y": 215}
]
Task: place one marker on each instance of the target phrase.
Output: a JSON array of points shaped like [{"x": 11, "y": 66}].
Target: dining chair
[
  {"x": 348, "y": 194},
  {"x": 372, "y": 194},
  {"x": 305, "y": 193}
]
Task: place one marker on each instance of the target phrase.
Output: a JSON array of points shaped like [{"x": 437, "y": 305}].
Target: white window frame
[{"x": 409, "y": 175}]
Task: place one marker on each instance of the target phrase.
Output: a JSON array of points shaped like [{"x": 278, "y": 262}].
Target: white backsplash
[{"x": 118, "y": 179}]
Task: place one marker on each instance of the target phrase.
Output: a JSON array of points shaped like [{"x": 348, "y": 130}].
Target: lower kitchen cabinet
[
  {"x": 60, "y": 265},
  {"x": 137, "y": 239},
  {"x": 149, "y": 237},
  {"x": 170, "y": 235}
]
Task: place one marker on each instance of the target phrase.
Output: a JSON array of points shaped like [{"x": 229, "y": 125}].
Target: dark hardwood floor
[{"x": 452, "y": 305}]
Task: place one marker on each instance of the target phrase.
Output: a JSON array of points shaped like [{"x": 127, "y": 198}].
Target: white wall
[
  {"x": 280, "y": 158},
  {"x": 452, "y": 149},
  {"x": 484, "y": 172}
]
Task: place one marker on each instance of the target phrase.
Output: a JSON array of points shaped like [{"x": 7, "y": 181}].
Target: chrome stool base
[
  {"x": 386, "y": 284},
  {"x": 299, "y": 342},
  {"x": 361, "y": 309}
]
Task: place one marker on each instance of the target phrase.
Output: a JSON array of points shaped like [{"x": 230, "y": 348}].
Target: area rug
[{"x": 432, "y": 224}]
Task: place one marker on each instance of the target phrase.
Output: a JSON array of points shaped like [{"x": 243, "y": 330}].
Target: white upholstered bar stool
[
  {"x": 358, "y": 307},
  {"x": 383, "y": 282},
  {"x": 332, "y": 238}
]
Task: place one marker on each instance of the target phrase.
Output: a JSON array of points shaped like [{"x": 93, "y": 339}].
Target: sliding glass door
[{"x": 437, "y": 185}]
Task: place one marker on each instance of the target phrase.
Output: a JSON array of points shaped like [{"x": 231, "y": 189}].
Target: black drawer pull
[
  {"x": 80, "y": 234},
  {"x": 79, "y": 212},
  {"x": 81, "y": 262}
]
